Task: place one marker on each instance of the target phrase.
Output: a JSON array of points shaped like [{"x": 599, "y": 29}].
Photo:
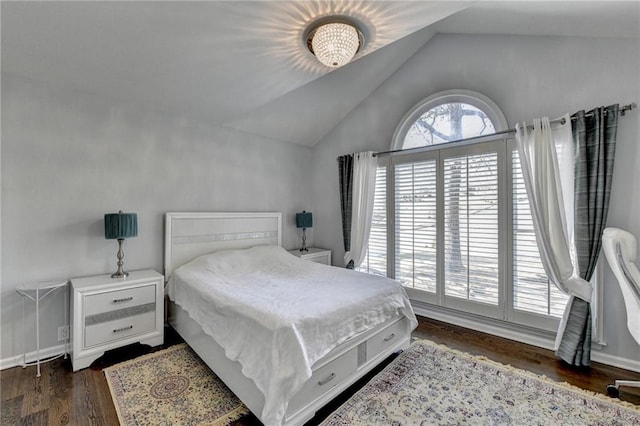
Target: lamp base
[
  {"x": 304, "y": 240},
  {"x": 120, "y": 273}
]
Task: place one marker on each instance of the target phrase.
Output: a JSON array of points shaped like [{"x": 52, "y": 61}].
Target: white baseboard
[
  {"x": 473, "y": 324},
  {"x": 616, "y": 361},
  {"x": 484, "y": 327},
  {"x": 523, "y": 336},
  {"x": 45, "y": 353}
]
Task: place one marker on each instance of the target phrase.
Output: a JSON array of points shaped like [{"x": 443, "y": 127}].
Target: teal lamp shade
[
  {"x": 118, "y": 226},
  {"x": 304, "y": 220}
]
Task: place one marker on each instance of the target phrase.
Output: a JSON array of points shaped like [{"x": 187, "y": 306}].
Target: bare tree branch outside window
[{"x": 447, "y": 123}]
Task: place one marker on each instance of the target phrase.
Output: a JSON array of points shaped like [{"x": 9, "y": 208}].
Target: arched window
[
  {"x": 446, "y": 117},
  {"x": 460, "y": 232}
]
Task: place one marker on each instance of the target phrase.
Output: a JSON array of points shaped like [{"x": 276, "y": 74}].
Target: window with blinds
[
  {"x": 415, "y": 222},
  {"x": 375, "y": 261},
  {"x": 532, "y": 290},
  {"x": 459, "y": 231},
  {"x": 488, "y": 262},
  {"x": 471, "y": 238}
]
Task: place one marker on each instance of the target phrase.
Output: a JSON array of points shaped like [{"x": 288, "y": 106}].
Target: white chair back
[{"x": 620, "y": 248}]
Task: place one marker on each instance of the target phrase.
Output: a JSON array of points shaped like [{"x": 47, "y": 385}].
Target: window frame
[
  {"x": 394, "y": 160},
  {"x": 502, "y": 144},
  {"x": 439, "y": 153},
  {"x": 470, "y": 97},
  {"x": 494, "y": 311}
]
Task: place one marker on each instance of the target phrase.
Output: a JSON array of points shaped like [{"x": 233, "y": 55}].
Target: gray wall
[
  {"x": 527, "y": 77},
  {"x": 68, "y": 158}
]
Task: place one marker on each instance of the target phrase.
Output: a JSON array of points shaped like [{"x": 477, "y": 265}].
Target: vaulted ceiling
[{"x": 244, "y": 64}]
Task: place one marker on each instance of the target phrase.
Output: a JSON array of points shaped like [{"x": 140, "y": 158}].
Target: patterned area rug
[
  {"x": 171, "y": 387},
  {"x": 430, "y": 384}
]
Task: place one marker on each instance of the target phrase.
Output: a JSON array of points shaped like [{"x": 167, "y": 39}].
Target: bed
[{"x": 285, "y": 347}]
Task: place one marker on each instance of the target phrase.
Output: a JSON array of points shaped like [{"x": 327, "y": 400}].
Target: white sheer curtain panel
[
  {"x": 546, "y": 157},
  {"x": 364, "y": 184}
]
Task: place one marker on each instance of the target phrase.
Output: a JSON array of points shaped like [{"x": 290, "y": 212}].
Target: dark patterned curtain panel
[
  {"x": 595, "y": 147},
  {"x": 594, "y": 137},
  {"x": 345, "y": 176}
]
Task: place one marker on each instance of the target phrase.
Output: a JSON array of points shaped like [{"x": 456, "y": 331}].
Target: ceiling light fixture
[{"x": 334, "y": 41}]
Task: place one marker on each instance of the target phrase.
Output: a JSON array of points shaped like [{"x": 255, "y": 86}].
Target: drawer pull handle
[
  {"x": 126, "y": 299},
  {"x": 390, "y": 337},
  {"x": 327, "y": 380},
  {"x": 119, "y": 330}
]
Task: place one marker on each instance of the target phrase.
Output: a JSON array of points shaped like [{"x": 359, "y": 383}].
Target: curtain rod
[{"x": 621, "y": 111}]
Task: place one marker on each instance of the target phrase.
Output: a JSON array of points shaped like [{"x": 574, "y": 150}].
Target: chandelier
[{"x": 334, "y": 41}]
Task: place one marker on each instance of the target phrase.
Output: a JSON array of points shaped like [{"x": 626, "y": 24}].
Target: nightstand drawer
[
  {"x": 105, "y": 332},
  {"x": 324, "y": 259},
  {"x": 119, "y": 299},
  {"x": 314, "y": 254}
]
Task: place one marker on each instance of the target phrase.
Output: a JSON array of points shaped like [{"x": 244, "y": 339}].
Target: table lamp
[
  {"x": 304, "y": 220},
  {"x": 120, "y": 226}
]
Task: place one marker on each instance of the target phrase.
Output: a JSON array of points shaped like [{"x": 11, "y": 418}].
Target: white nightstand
[
  {"x": 315, "y": 254},
  {"x": 108, "y": 313}
]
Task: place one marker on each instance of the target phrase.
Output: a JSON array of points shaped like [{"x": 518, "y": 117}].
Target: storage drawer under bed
[
  {"x": 325, "y": 378},
  {"x": 386, "y": 338}
]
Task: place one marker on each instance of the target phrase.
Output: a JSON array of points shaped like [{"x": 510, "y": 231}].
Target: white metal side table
[{"x": 37, "y": 291}]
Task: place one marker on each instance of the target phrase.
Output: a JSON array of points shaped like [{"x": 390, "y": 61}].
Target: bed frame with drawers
[{"x": 189, "y": 235}]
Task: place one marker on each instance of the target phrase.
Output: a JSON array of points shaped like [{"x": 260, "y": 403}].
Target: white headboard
[{"x": 189, "y": 235}]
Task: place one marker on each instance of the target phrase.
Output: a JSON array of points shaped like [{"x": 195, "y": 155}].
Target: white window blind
[
  {"x": 487, "y": 262},
  {"x": 460, "y": 233},
  {"x": 472, "y": 261},
  {"x": 532, "y": 290},
  {"x": 415, "y": 221},
  {"x": 375, "y": 261}
]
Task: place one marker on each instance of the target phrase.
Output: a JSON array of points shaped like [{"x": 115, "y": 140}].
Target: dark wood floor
[
  {"x": 60, "y": 397},
  {"x": 531, "y": 358}
]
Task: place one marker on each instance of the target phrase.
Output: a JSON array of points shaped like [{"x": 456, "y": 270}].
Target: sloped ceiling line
[{"x": 243, "y": 64}]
